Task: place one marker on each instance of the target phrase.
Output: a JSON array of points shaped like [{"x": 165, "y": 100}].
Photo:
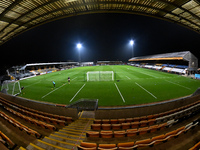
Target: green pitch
[{"x": 131, "y": 86}]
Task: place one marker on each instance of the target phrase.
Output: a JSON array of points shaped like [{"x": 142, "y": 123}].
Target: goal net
[
  {"x": 100, "y": 76},
  {"x": 11, "y": 87}
]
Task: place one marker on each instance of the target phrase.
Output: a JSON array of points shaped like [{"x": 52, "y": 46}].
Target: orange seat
[
  {"x": 107, "y": 146},
  {"x": 151, "y": 121},
  {"x": 106, "y": 134},
  {"x": 180, "y": 130},
  {"x": 92, "y": 134},
  {"x": 143, "y": 143},
  {"x": 153, "y": 128},
  {"x": 170, "y": 135},
  {"x": 121, "y": 120},
  {"x": 97, "y": 121},
  {"x": 136, "y": 119},
  {"x": 150, "y": 117},
  {"x": 116, "y": 126},
  {"x": 143, "y": 130},
  {"x": 143, "y": 118},
  {"x": 158, "y": 139},
  {"x": 96, "y": 126},
  {"x": 195, "y": 147},
  {"x": 135, "y": 124},
  {"x": 143, "y": 123},
  {"x": 131, "y": 132},
  {"x": 105, "y": 121},
  {"x": 113, "y": 121},
  {"x": 129, "y": 120},
  {"x": 162, "y": 126},
  {"x": 106, "y": 126},
  {"x": 127, "y": 145},
  {"x": 87, "y": 146},
  {"x": 126, "y": 125},
  {"x": 119, "y": 133}
]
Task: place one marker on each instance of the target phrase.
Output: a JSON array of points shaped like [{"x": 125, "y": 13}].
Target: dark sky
[{"x": 103, "y": 36}]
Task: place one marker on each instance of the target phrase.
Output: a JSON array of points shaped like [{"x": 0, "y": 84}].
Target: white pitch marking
[
  {"x": 179, "y": 85},
  {"x": 148, "y": 74},
  {"x": 128, "y": 77},
  {"x": 146, "y": 90},
  {"x": 33, "y": 84},
  {"x": 120, "y": 93},
  {"x": 54, "y": 90},
  {"x": 74, "y": 78},
  {"x": 77, "y": 93}
]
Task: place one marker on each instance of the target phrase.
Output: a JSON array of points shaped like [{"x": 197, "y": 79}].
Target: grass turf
[{"x": 132, "y": 85}]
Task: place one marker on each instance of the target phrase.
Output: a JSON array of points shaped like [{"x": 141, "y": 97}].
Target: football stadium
[{"x": 149, "y": 102}]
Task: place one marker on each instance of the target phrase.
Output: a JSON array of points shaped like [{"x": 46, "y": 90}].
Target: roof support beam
[
  {"x": 9, "y": 8},
  {"x": 92, "y": 3}
]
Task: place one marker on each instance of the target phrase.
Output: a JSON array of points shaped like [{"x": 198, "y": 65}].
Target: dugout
[{"x": 178, "y": 58}]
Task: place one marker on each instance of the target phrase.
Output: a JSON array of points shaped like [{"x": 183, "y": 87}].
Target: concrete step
[{"x": 66, "y": 138}]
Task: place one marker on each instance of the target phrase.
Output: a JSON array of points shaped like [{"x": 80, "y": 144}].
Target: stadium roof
[
  {"x": 18, "y": 16},
  {"x": 166, "y": 56}
]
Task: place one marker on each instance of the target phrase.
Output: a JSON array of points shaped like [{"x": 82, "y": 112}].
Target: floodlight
[
  {"x": 132, "y": 42},
  {"x": 79, "y": 46}
]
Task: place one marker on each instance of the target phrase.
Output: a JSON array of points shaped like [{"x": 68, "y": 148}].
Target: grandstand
[
  {"x": 177, "y": 62},
  {"x": 35, "y": 125},
  {"x": 27, "y": 124},
  {"x": 28, "y": 70}
]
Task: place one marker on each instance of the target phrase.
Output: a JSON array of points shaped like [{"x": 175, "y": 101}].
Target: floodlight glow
[
  {"x": 132, "y": 42},
  {"x": 79, "y": 46}
]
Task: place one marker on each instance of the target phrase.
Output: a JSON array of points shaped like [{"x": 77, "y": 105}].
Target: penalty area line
[
  {"x": 146, "y": 90},
  {"x": 53, "y": 90},
  {"x": 77, "y": 93},
  {"x": 179, "y": 85},
  {"x": 119, "y": 92}
]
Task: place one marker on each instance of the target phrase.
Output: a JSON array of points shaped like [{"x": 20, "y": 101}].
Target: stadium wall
[
  {"x": 45, "y": 107},
  {"x": 144, "y": 110},
  {"x": 193, "y": 61}
]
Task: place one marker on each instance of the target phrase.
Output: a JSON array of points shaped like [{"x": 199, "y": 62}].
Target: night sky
[{"x": 103, "y": 36}]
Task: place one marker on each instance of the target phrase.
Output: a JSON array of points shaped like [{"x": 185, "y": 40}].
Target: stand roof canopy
[{"x": 18, "y": 16}]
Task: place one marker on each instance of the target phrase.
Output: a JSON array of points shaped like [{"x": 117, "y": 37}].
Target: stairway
[{"x": 66, "y": 138}]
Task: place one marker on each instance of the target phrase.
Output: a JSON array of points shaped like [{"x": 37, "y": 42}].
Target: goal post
[
  {"x": 11, "y": 87},
  {"x": 100, "y": 76}
]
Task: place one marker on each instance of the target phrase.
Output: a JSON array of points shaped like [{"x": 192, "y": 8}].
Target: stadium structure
[
  {"x": 178, "y": 62},
  {"x": 29, "y": 124}
]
